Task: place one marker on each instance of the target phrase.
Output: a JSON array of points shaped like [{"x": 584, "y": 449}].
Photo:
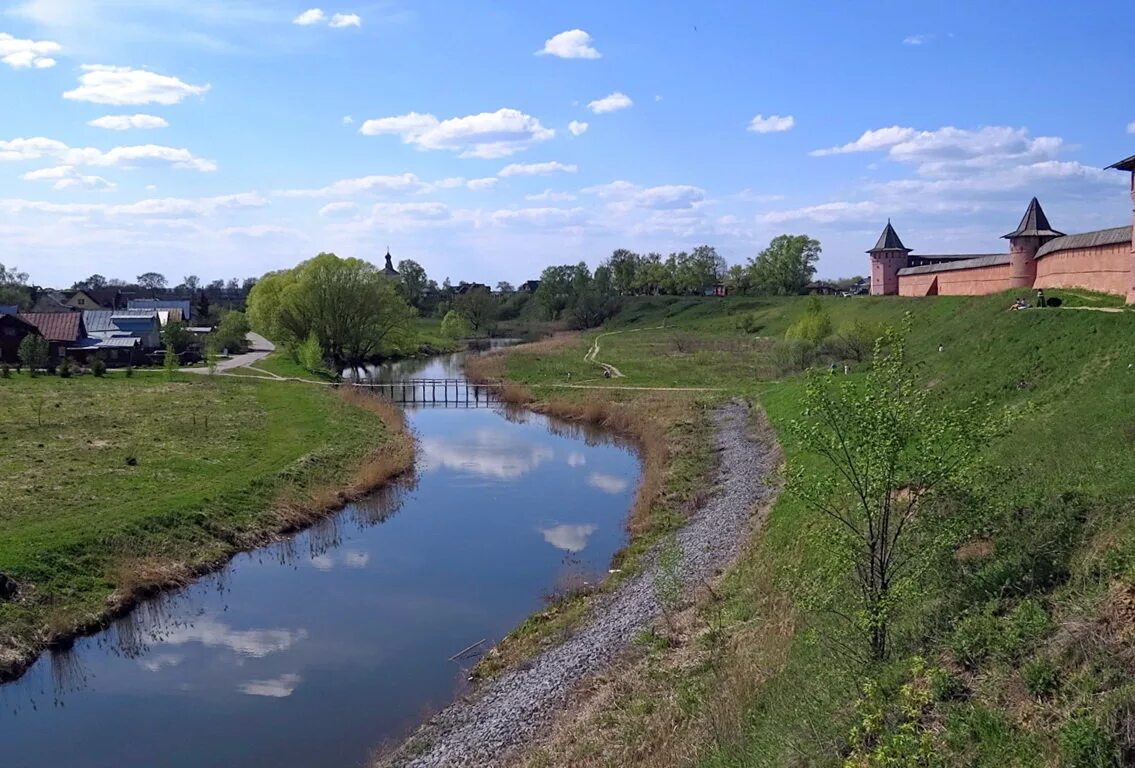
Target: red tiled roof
[{"x": 56, "y": 326}]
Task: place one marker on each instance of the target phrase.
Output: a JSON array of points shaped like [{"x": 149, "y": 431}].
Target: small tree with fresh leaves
[
  {"x": 171, "y": 361},
  {"x": 309, "y": 354},
  {"x": 454, "y": 325},
  {"x": 888, "y": 450},
  {"x": 34, "y": 352}
]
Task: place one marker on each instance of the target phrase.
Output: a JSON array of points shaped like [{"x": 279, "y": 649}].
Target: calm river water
[{"x": 314, "y": 651}]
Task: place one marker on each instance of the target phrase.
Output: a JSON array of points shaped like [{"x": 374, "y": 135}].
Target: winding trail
[
  {"x": 592, "y": 353},
  {"x": 508, "y": 712}
]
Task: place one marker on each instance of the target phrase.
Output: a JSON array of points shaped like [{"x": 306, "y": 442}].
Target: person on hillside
[{"x": 1040, "y": 302}]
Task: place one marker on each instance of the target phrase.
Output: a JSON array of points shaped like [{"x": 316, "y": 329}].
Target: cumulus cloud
[
  {"x": 577, "y": 128},
  {"x": 341, "y": 20},
  {"x": 22, "y": 54},
  {"x": 409, "y": 215},
  {"x": 159, "y": 207},
  {"x": 485, "y": 135},
  {"x": 126, "y": 122},
  {"x": 255, "y": 643},
  {"x": 536, "y": 169},
  {"x": 101, "y": 84},
  {"x": 771, "y": 124},
  {"x": 539, "y": 217},
  {"x": 126, "y": 157},
  {"x": 569, "y": 538},
  {"x": 479, "y": 184},
  {"x": 309, "y": 17},
  {"x": 487, "y": 453},
  {"x": 348, "y": 120},
  {"x": 338, "y": 210},
  {"x": 916, "y": 39},
  {"x": 277, "y": 687},
  {"x": 572, "y": 44},
  {"x": 68, "y": 177},
  {"x": 550, "y": 196},
  {"x": 403, "y": 182},
  {"x": 1131, "y": 127},
  {"x": 610, "y": 103},
  {"x": 625, "y": 195},
  {"x": 608, "y": 483}
]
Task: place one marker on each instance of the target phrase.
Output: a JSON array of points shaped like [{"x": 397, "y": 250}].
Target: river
[{"x": 314, "y": 651}]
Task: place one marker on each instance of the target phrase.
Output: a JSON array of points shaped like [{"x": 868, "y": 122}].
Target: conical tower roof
[
  {"x": 1034, "y": 224},
  {"x": 389, "y": 269},
  {"x": 889, "y": 241}
]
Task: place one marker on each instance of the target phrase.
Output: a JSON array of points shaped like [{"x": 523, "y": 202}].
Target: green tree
[
  {"x": 454, "y": 325},
  {"x": 170, "y": 361},
  {"x": 478, "y": 307},
  {"x": 888, "y": 451},
  {"x": 814, "y": 326},
  {"x": 412, "y": 281},
  {"x": 177, "y": 336},
  {"x": 354, "y": 311},
  {"x": 34, "y": 352},
  {"x": 14, "y": 287},
  {"x": 92, "y": 283},
  {"x": 309, "y": 354},
  {"x": 786, "y": 266},
  {"x": 555, "y": 291},
  {"x": 231, "y": 332},
  {"x": 624, "y": 267},
  {"x": 153, "y": 281},
  {"x": 504, "y": 288}
]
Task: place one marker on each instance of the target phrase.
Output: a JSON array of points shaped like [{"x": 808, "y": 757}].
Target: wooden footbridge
[{"x": 440, "y": 393}]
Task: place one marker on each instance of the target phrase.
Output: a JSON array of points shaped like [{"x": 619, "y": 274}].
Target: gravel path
[{"x": 509, "y": 711}]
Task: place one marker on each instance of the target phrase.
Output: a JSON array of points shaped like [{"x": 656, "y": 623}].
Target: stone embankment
[{"x": 508, "y": 712}]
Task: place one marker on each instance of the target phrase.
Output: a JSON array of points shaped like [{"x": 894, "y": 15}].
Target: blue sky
[{"x": 488, "y": 139}]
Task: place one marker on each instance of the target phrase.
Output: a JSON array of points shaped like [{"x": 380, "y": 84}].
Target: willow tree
[
  {"x": 350, "y": 307},
  {"x": 889, "y": 450}
]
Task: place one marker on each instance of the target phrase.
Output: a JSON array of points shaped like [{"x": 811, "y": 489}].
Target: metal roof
[
  {"x": 114, "y": 342},
  {"x": 9, "y": 309},
  {"x": 389, "y": 269},
  {"x": 56, "y": 326},
  {"x": 1113, "y": 236},
  {"x": 97, "y": 320},
  {"x": 888, "y": 241},
  {"x": 1034, "y": 223},
  {"x": 952, "y": 256},
  {"x": 992, "y": 260},
  {"x": 182, "y": 304},
  {"x": 1124, "y": 165}
]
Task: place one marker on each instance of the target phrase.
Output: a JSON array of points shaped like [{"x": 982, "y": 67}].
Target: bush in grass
[
  {"x": 66, "y": 368},
  {"x": 454, "y": 325},
  {"x": 750, "y": 324},
  {"x": 1084, "y": 744},
  {"x": 1041, "y": 677},
  {"x": 98, "y": 367},
  {"x": 5, "y": 371},
  {"x": 814, "y": 326},
  {"x": 129, "y": 371},
  {"x": 309, "y": 354},
  {"x": 171, "y": 361},
  {"x": 34, "y": 353}
]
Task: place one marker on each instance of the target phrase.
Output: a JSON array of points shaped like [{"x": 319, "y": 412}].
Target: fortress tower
[
  {"x": 1129, "y": 165},
  {"x": 887, "y": 257},
  {"x": 1024, "y": 242}
]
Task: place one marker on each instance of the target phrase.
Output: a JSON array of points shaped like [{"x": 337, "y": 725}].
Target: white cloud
[
  {"x": 539, "y": 217},
  {"x": 625, "y": 195},
  {"x": 102, "y": 84},
  {"x": 870, "y": 141},
  {"x": 125, "y": 122},
  {"x": 404, "y": 182},
  {"x": 255, "y": 643},
  {"x": 161, "y": 661},
  {"x": 309, "y": 17},
  {"x": 1131, "y": 127},
  {"x": 576, "y": 459},
  {"x": 485, "y": 135},
  {"x": 577, "y": 128},
  {"x": 409, "y": 215},
  {"x": 170, "y": 206},
  {"x": 771, "y": 124},
  {"x": 336, "y": 210},
  {"x": 277, "y": 687},
  {"x": 348, "y": 120},
  {"x": 341, "y": 20},
  {"x": 487, "y": 454},
  {"x": 536, "y": 169},
  {"x": 916, "y": 39},
  {"x": 607, "y": 483},
  {"x": 127, "y": 157},
  {"x": 479, "y": 184},
  {"x": 610, "y": 103},
  {"x": 569, "y": 538},
  {"x": 572, "y": 44},
  {"x": 22, "y": 54},
  {"x": 68, "y": 177},
  {"x": 549, "y": 196}
]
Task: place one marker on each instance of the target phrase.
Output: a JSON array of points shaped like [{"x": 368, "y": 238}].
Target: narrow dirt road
[{"x": 505, "y": 714}]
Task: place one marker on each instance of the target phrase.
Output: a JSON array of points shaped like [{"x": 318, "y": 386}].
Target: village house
[
  {"x": 183, "y": 306},
  {"x": 12, "y": 331},
  {"x": 62, "y": 330},
  {"x": 1039, "y": 257}
]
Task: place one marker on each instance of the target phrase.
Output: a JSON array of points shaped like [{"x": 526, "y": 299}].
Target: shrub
[
  {"x": 171, "y": 361},
  {"x": 309, "y": 354},
  {"x": 34, "y": 352},
  {"x": 1040, "y": 677},
  {"x": 814, "y": 326},
  {"x": 129, "y": 371},
  {"x": 856, "y": 341},
  {"x": 1084, "y": 744},
  {"x": 66, "y": 368},
  {"x": 750, "y": 324},
  {"x": 98, "y": 367},
  {"x": 793, "y": 356},
  {"x": 5, "y": 371},
  {"x": 454, "y": 325}
]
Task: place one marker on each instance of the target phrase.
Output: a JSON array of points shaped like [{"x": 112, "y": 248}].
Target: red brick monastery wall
[
  {"x": 1106, "y": 269},
  {"x": 957, "y": 282}
]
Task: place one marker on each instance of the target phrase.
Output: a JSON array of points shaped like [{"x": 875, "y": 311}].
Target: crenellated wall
[{"x": 1106, "y": 269}]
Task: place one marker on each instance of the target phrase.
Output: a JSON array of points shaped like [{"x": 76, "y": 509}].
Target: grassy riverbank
[
  {"x": 1017, "y": 653},
  {"x": 116, "y": 486}
]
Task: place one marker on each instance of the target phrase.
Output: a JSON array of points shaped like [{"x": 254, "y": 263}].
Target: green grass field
[
  {"x": 98, "y": 475},
  {"x": 1032, "y": 630}
]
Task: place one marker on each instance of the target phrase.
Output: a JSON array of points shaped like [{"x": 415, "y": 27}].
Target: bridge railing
[{"x": 454, "y": 393}]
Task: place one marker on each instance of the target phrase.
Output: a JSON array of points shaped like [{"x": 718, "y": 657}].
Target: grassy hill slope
[{"x": 1020, "y": 647}]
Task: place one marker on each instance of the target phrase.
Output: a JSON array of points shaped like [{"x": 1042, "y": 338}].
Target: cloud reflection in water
[
  {"x": 487, "y": 453},
  {"x": 569, "y": 538}
]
